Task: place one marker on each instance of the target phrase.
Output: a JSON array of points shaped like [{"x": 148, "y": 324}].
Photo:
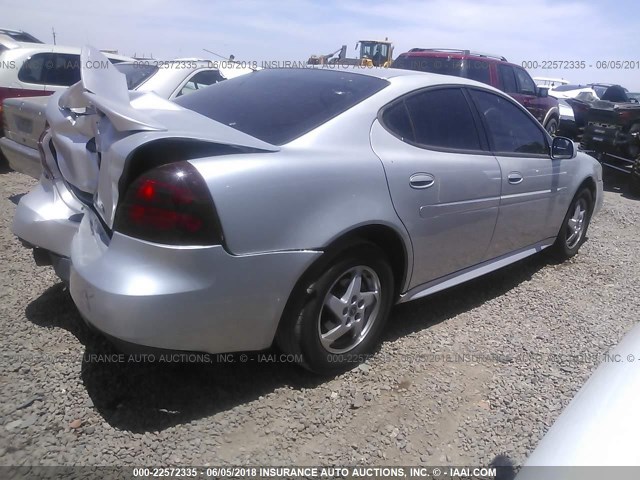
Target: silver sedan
[{"x": 294, "y": 206}]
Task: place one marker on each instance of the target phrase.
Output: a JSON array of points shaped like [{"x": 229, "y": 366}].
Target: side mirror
[
  {"x": 543, "y": 92},
  {"x": 562, "y": 148}
]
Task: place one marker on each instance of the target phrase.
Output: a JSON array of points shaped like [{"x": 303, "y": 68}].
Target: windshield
[
  {"x": 568, "y": 88},
  {"x": 20, "y": 36},
  {"x": 599, "y": 90},
  {"x": 136, "y": 73},
  {"x": 279, "y": 105}
]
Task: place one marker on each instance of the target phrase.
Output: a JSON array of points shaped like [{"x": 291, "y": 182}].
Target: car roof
[
  {"x": 151, "y": 62},
  {"x": 453, "y": 53},
  {"x": 9, "y": 32},
  {"x": 391, "y": 73},
  {"x": 33, "y": 48},
  {"x": 408, "y": 78},
  {"x": 378, "y": 72}
]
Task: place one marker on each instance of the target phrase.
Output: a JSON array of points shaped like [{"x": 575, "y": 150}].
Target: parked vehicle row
[
  {"x": 7, "y": 36},
  {"x": 607, "y": 123},
  {"x": 44, "y": 69},
  {"x": 24, "y": 119},
  {"x": 493, "y": 70},
  {"x": 581, "y": 98},
  {"x": 151, "y": 205},
  {"x": 34, "y": 69}
]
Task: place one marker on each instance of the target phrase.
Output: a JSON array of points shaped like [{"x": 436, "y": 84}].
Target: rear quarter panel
[
  {"x": 297, "y": 199},
  {"x": 316, "y": 188}
]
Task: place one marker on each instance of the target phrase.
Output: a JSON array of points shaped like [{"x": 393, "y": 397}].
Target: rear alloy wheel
[
  {"x": 338, "y": 318},
  {"x": 552, "y": 127},
  {"x": 574, "y": 226}
]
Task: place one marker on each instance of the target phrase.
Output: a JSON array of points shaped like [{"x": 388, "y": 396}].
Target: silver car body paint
[
  {"x": 279, "y": 210},
  {"x": 202, "y": 299}
]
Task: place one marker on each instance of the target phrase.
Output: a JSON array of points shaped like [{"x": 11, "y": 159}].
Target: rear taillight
[{"x": 170, "y": 204}]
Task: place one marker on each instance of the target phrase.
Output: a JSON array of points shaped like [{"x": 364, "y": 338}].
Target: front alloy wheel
[{"x": 574, "y": 226}]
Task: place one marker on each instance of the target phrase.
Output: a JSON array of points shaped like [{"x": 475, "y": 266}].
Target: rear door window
[
  {"x": 507, "y": 79},
  {"x": 511, "y": 130},
  {"x": 64, "y": 70},
  {"x": 33, "y": 68},
  {"x": 396, "y": 119},
  {"x": 479, "y": 71},
  {"x": 526, "y": 84},
  {"x": 440, "y": 118}
]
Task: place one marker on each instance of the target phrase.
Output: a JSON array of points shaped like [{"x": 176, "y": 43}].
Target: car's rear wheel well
[
  {"x": 387, "y": 240},
  {"x": 384, "y": 237}
]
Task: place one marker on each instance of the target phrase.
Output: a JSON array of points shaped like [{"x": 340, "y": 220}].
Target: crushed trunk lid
[{"x": 96, "y": 123}]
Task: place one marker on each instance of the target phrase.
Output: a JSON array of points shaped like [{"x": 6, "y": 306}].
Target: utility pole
[{"x": 54, "y": 35}]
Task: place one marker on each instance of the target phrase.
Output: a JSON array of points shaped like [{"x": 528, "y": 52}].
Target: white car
[
  {"x": 31, "y": 69},
  {"x": 584, "y": 92},
  {"x": 24, "y": 118},
  {"x": 173, "y": 78},
  {"x": 9, "y": 36}
]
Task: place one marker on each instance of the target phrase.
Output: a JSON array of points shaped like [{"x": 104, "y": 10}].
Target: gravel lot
[{"x": 531, "y": 334}]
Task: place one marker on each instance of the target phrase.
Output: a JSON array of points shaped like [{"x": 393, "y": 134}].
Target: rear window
[
  {"x": 278, "y": 106},
  {"x": 599, "y": 89},
  {"x": 61, "y": 69},
  {"x": 32, "y": 70},
  {"x": 567, "y": 88},
  {"x": 136, "y": 73},
  {"x": 469, "y": 68},
  {"x": 443, "y": 66},
  {"x": 23, "y": 37},
  {"x": 479, "y": 71}
]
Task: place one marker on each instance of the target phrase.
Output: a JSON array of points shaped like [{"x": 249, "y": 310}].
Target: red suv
[{"x": 490, "y": 69}]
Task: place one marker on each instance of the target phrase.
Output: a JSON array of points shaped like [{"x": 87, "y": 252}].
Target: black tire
[
  {"x": 565, "y": 247},
  {"x": 552, "y": 126},
  {"x": 633, "y": 148},
  {"x": 634, "y": 180},
  {"x": 305, "y": 317}
]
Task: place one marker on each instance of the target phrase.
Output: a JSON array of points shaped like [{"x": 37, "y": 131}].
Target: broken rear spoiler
[{"x": 103, "y": 89}]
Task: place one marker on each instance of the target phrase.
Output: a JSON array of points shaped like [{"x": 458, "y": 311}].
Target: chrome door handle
[
  {"x": 421, "y": 180},
  {"x": 515, "y": 178}
]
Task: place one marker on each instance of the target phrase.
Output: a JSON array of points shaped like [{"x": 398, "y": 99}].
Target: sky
[{"x": 292, "y": 30}]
